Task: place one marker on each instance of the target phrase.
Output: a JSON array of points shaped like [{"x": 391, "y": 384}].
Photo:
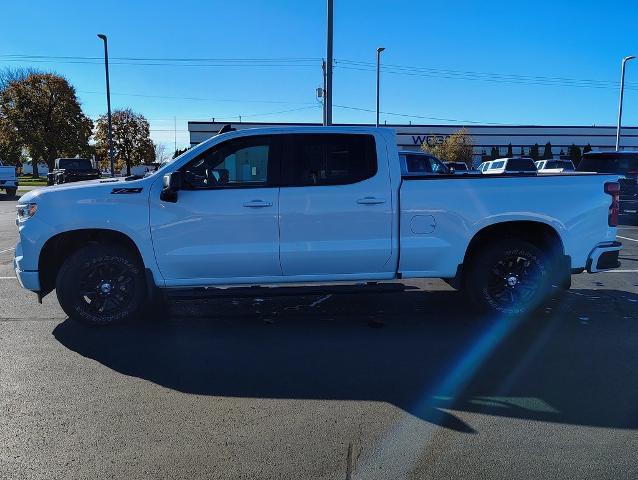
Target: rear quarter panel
[{"x": 457, "y": 209}]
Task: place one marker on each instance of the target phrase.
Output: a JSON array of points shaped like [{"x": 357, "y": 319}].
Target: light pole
[
  {"x": 622, "y": 92},
  {"x": 108, "y": 101},
  {"x": 379, "y": 50}
]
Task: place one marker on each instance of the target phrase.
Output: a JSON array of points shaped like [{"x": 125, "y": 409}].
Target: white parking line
[
  {"x": 8, "y": 278},
  {"x": 7, "y": 250},
  {"x": 627, "y": 238},
  {"x": 619, "y": 271}
]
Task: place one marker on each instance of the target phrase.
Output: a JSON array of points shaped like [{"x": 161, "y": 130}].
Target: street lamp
[
  {"x": 379, "y": 50},
  {"x": 622, "y": 92},
  {"x": 108, "y": 100}
]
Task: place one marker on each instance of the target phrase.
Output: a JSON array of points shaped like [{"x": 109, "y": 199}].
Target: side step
[{"x": 280, "y": 291}]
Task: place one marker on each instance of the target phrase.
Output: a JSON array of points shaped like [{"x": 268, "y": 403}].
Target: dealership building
[{"x": 485, "y": 137}]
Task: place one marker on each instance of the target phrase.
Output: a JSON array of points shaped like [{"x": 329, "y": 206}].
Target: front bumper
[
  {"x": 29, "y": 279},
  {"x": 604, "y": 257}
]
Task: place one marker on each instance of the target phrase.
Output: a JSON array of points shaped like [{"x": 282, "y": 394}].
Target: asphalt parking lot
[{"x": 395, "y": 385}]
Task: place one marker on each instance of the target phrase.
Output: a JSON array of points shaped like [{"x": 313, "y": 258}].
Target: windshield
[
  {"x": 610, "y": 162},
  {"x": 564, "y": 164},
  {"x": 75, "y": 164},
  {"x": 521, "y": 165}
]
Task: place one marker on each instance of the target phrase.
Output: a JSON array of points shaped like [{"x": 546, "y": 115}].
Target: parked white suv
[
  {"x": 554, "y": 166},
  {"x": 510, "y": 165},
  {"x": 278, "y": 206}
]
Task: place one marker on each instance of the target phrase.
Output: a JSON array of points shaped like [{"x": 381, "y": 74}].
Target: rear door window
[
  {"x": 496, "y": 165},
  {"x": 328, "y": 159}
]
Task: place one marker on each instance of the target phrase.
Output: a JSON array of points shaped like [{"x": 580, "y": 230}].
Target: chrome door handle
[
  {"x": 257, "y": 204},
  {"x": 371, "y": 200}
]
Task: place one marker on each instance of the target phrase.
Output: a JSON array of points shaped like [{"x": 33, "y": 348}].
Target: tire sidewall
[
  {"x": 477, "y": 280},
  {"x": 70, "y": 274}
]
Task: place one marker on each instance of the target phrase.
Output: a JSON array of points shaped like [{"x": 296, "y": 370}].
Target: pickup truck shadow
[{"x": 573, "y": 363}]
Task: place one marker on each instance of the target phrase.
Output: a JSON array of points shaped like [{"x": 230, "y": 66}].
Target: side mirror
[{"x": 172, "y": 184}]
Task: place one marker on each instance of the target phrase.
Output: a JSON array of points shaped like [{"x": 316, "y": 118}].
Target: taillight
[{"x": 613, "y": 189}]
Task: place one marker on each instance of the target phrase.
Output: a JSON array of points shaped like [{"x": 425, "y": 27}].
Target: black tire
[
  {"x": 11, "y": 192},
  {"x": 509, "y": 277},
  {"x": 101, "y": 285}
]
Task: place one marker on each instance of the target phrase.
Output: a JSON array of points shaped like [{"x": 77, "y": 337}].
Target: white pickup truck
[
  {"x": 267, "y": 207},
  {"x": 8, "y": 180}
]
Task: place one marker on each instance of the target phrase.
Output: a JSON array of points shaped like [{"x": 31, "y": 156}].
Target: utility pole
[
  {"x": 622, "y": 92},
  {"x": 328, "y": 93},
  {"x": 108, "y": 101},
  {"x": 379, "y": 50},
  {"x": 323, "y": 69}
]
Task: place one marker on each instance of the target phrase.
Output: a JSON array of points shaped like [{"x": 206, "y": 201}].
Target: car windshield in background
[
  {"x": 75, "y": 164},
  {"x": 458, "y": 166},
  {"x": 610, "y": 162},
  {"x": 564, "y": 164},
  {"x": 521, "y": 165}
]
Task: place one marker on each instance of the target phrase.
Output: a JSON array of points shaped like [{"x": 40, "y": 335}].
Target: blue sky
[{"x": 497, "y": 62}]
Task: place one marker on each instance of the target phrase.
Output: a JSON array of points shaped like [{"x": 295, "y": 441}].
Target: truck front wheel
[
  {"x": 101, "y": 284},
  {"x": 509, "y": 277}
]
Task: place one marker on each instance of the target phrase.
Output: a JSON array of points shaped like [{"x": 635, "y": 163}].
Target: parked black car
[
  {"x": 624, "y": 163},
  {"x": 72, "y": 170}
]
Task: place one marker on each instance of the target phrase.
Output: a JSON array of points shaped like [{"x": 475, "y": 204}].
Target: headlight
[{"x": 26, "y": 211}]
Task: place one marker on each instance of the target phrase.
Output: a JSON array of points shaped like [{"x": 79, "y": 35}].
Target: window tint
[
  {"x": 242, "y": 162},
  {"x": 418, "y": 164},
  {"x": 75, "y": 164},
  {"x": 459, "y": 166},
  {"x": 564, "y": 164},
  {"x": 609, "y": 163},
  {"x": 321, "y": 159},
  {"x": 437, "y": 166},
  {"x": 521, "y": 164}
]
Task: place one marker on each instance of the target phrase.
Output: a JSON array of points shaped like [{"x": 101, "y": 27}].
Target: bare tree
[{"x": 161, "y": 155}]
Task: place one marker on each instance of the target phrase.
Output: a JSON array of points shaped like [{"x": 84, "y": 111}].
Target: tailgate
[{"x": 7, "y": 173}]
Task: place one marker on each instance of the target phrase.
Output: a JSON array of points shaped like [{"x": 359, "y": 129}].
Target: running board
[{"x": 281, "y": 291}]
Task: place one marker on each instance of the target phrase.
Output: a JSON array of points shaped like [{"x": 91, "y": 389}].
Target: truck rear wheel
[
  {"x": 509, "y": 277},
  {"x": 11, "y": 192},
  {"x": 101, "y": 284}
]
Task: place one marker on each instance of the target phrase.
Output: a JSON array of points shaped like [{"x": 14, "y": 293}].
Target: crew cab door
[
  {"x": 335, "y": 207},
  {"x": 223, "y": 227}
]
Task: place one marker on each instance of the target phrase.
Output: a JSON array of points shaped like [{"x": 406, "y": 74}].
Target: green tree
[
  {"x": 574, "y": 154},
  {"x": 44, "y": 114},
  {"x": 132, "y": 144},
  {"x": 494, "y": 153},
  {"x": 587, "y": 148},
  {"x": 533, "y": 152},
  {"x": 458, "y": 147},
  {"x": 10, "y": 147},
  {"x": 510, "y": 151},
  {"x": 547, "y": 152}
]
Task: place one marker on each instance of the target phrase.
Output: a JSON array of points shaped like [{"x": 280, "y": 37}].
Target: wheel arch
[
  {"x": 60, "y": 246},
  {"x": 541, "y": 234}
]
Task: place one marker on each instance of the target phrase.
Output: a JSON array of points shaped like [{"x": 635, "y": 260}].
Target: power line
[
  {"x": 199, "y": 99},
  {"x": 172, "y": 62},
  {"x": 480, "y": 76},
  {"x": 408, "y": 115},
  {"x": 164, "y": 59}
]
